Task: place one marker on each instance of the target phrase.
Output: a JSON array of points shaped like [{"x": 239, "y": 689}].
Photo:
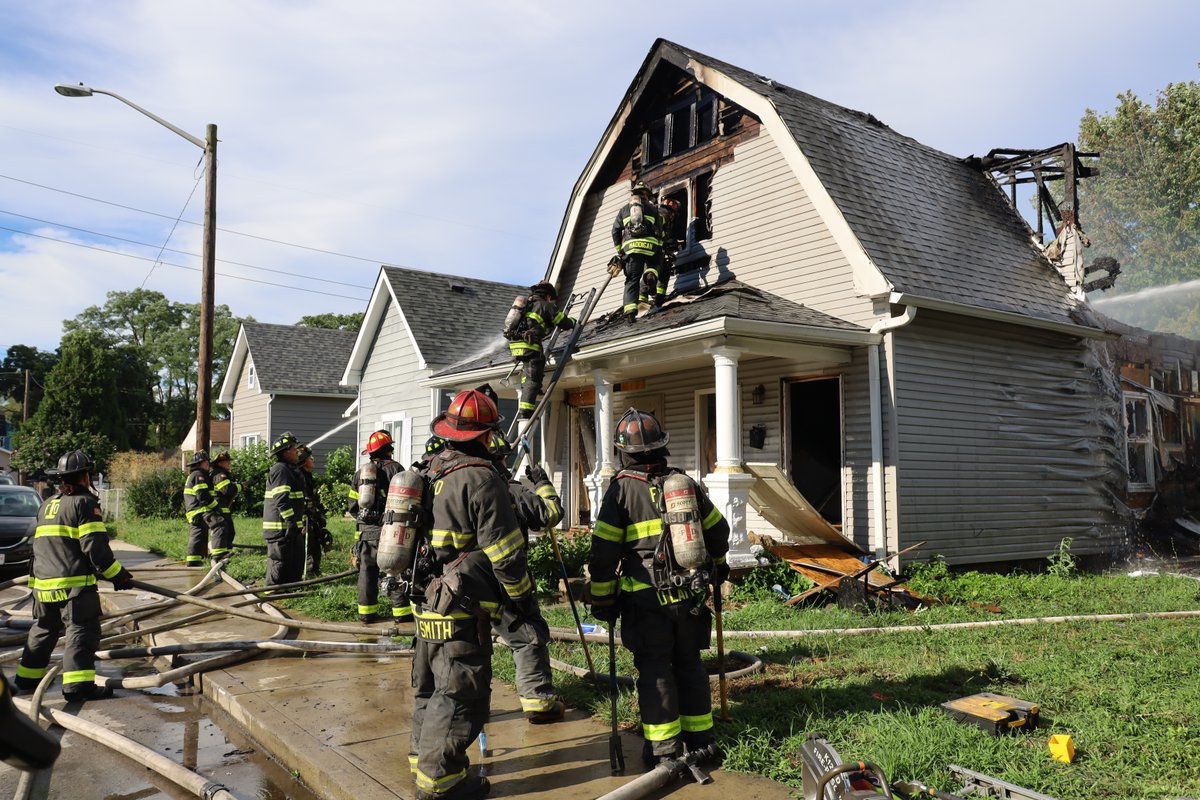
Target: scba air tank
[
  {"x": 513, "y": 318},
  {"x": 366, "y": 487},
  {"x": 684, "y": 523},
  {"x": 398, "y": 536}
]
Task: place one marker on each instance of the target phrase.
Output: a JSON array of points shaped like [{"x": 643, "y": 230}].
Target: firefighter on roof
[
  {"x": 637, "y": 235},
  {"x": 283, "y": 513},
  {"x": 220, "y": 538},
  {"x": 529, "y": 636},
  {"x": 477, "y": 565},
  {"x": 200, "y": 508},
  {"x": 527, "y": 325},
  {"x": 657, "y": 544},
  {"x": 70, "y": 552},
  {"x": 368, "y": 496}
]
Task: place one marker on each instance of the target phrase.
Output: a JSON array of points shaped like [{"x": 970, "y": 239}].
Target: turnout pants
[
  {"x": 533, "y": 370},
  {"x": 285, "y": 556},
  {"x": 312, "y": 550},
  {"x": 220, "y": 534},
  {"x": 528, "y": 641},
  {"x": 198, "y": 532},
  {"x": 367, "y": 548},
  {"x": 672, "y": 684},
  {"x": 642, "y": 282},
  {"x": 452, "y": 690},
  {"x": 79, "y": 614}
]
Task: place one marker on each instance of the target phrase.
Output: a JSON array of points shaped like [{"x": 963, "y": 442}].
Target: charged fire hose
[
  {"x": 141, "y": 755},
  {"x": 290, "y": 646},
  {"x": 665, "y": 772}
]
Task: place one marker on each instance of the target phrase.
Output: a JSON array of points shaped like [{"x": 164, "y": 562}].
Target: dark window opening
[
  {"x": 681, "y": 128},
  {"x": 677, "y": 223},
  {"x": 814, "y": 454}
]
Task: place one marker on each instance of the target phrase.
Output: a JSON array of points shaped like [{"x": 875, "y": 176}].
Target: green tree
[
  {"x": 1143, "y": 208},
  {"x": 166, "y": 335},
  {"x": 337, "y": 322},
  {"x": 17, "y": 359}
]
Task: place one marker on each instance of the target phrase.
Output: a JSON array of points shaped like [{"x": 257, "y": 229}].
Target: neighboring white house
[
  {"x": 416, "y": 323},
  {"x": 285, "y": 378},
  {"x": 862, "y": 339}
]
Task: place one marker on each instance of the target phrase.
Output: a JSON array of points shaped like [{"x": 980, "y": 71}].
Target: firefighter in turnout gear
[
  {"x": 526, "y": 331},
  {"x": 529, "y": 636},
  {"x": 637, "y": 235},
  {"x": 317, "y": 537},
  {"x": 661, "y": 603},
  {"x": 368, "y": 496},
  {"x": 477, "y": 565},
  {"x": 200, "y": 508},
  {"x": 283, "y": 513},
  {"x": 220, "y": 539},
  {"x": 70, "y": 553}
]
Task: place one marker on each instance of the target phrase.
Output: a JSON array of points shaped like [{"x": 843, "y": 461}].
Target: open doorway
[{"x": 813, "y": 413}]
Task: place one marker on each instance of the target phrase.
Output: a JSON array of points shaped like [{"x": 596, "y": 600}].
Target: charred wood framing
[{"x": 1012, "y": 168}]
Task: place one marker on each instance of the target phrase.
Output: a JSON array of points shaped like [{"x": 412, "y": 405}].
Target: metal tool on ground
[
  {"x": 724, "y": 690},
  {"x": 562, "y": 568},
  {"x": 664, "y": 773},
  {"x": 616, "y": 755},
  {"x": 993, "y": 713},
  {"x": 987, "y": 786}
]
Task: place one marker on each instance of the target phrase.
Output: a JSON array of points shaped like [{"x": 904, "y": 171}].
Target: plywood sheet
[{"x": 781, "y": 504}]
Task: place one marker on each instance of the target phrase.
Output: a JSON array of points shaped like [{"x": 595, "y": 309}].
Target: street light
[{"x": 208, "y": 252}]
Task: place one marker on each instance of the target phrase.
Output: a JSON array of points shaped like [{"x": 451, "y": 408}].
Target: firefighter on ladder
[
  {"x": 527, "y": 325},
  {"x": 368, "y": 496},
  {"x": 651, "y": 568},
  {"x": 529, "y": 636},
  {"x": 637, "y": 235},
  {"x": 477, "y": 565},
  {"x": 70, "y": 551},
  {"x": 200, "y": 508},
  {"x": 220, "y": 539}
]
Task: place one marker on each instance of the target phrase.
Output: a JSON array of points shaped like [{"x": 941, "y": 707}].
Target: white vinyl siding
[
  {"x": 390, "y": 386},
  {"x": 251, "y": 409}
]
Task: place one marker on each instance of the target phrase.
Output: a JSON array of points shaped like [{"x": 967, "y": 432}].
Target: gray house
[
  {"x": 862, "y": 344},
  {"x": 415, "y": 324},
  {"x": 285, "y": 378}
]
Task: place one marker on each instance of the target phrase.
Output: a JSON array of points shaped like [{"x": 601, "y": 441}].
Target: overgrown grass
[{"x": 1127, "y": 692}]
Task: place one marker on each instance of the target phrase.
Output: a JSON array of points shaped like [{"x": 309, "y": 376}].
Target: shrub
[
  {"x": 339, "y": 466},
  {"x": 576, "y": 548},
  {"x": 332, "y": 497},
  {"x": 35, "y": 449},
  {"x": 249, "y": 466},
  {"x": 158, "y": 495},
  {"x": 130, "y": 465}
]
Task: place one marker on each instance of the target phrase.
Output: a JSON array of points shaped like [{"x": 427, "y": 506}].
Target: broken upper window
[
  {"x": 692, "y": 222},
  {"x": 1139, "y": 447},
  {"x": 681, "y": 128}
]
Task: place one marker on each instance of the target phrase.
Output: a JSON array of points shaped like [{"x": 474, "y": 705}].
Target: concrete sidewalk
[{"x": 341, "y": 722}]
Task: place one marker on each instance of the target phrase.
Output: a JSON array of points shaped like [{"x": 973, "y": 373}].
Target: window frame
[
  {"x": 690, "y": 110},
  {"x": 402, "y": 443},
  {"x": 1139, "y": 445},
  {"x": 248, "y": 440},
  {"x": 251, "y": 377}
]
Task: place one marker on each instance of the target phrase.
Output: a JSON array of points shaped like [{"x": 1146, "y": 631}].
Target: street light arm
[{"x": 194, "y": 140}]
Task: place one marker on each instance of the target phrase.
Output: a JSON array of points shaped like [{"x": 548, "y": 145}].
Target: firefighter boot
[
  {"x": 87, "y": 691},
  {"x": 471, "y": 787},
  {"x": 554, "y": 712}
]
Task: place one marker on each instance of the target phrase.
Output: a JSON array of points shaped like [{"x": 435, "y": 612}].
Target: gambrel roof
[
  {"x": 913, "y": 221},
  {"x": 448, "y": 317},
  {"x": 290, "y": 359}
]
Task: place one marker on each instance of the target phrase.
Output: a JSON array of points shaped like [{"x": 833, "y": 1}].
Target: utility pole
[
  {"x": 25, "y": 403},
  {"x": 208, "y": 254}
]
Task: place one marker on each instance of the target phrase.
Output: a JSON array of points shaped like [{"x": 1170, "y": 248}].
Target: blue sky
[{"x": 448, "y": 138}]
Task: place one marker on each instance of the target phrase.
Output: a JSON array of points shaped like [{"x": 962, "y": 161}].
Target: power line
[
  {"x": 170, "y": 233},
  {"x": 179, "y": 266},
  {"x": 181, "y": 252},
  {"x": 376, "y": 261}
]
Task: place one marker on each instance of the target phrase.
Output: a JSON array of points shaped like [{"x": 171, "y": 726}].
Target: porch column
[
  {"x": 605, "y": 467},
  {"x": 729, "y": 484}
]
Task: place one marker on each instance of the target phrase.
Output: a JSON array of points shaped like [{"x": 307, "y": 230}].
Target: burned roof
[
  {"x": 934, "y": 225},
  {"x": 731, "y": 298},
  {"x": 298, "y": 359},
  {"x": 449, "y": 315}
]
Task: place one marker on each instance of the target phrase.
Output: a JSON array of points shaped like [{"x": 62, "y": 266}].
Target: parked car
[
  {"x": 18, "y": 514},
  {"x": 6, "y": 480}
]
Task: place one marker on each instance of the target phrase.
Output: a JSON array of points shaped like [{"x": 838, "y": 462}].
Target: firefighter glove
[
  {"x": 721, "y": 573},
  {"x": 616, "y": 265},
  {"x": 122, "y": 580},
  {"x": 536, "y": 474},
  {"x": 608, "y": 612}
]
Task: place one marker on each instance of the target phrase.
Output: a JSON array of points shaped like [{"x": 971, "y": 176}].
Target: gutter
[
  {"x": 878, "y": 511},
  {"x": 1008, "y": 317}
]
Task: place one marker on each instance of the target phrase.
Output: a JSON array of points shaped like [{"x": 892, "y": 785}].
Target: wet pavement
[{"x": 340, "y": 723}]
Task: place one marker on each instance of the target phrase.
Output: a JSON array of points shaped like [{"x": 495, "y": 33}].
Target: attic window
[
  {"x": 455, "y": 286},
  {"x": 681, "y": 128},
  {"x": 250, "y": 379}
]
